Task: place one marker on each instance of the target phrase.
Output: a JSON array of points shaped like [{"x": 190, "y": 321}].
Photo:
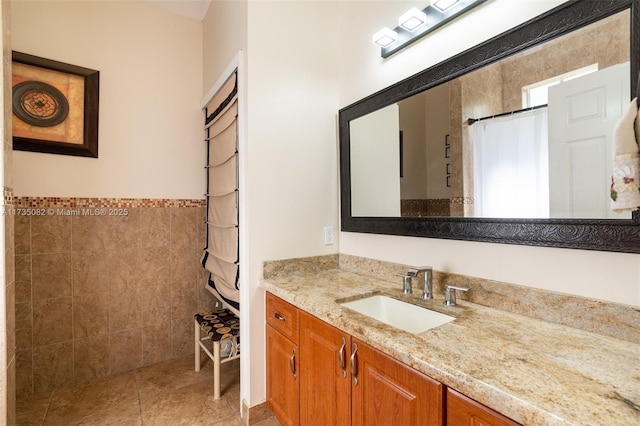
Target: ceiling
[{"x": 194, "y": 9}]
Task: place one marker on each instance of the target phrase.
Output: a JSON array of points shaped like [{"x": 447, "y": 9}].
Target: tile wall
[{"x": 104, "y": 292}]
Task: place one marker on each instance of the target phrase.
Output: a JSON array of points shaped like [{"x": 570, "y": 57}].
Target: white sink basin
[{"x": 399, "y": 314}]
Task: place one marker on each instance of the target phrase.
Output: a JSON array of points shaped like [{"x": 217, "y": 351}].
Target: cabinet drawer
[{"x": 283, "y": 316}]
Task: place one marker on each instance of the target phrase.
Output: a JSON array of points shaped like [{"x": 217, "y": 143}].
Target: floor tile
[
  {"x": 190, "y": 405},
  {"x": 31, "y": 410},
  {"x": 170, "y": 393},
  {"x": 171, "y": 375},
  {"x": 271, "y": 421},
  {"x": 228, "y": 421},
  {"x": 230, "y": 383},
  {"x": 74, "y": 403},
  {"x": 127, "y": 416}
]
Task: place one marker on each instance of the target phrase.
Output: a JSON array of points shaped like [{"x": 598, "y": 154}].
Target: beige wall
[
  {"x": 292, "y": 173},
  {"x": 150, "y": 63},
  {"x": 224, "y": 34},
  {"x": 608, "y": 276}
]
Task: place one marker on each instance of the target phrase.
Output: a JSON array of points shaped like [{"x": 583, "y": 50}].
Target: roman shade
[{"x": 221, "y": 255}]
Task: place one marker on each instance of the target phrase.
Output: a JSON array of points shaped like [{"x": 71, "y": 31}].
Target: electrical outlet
[{"x": 328, "y": 235}]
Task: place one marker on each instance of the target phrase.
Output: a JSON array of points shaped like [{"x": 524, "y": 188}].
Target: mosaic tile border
[
  {"x": 7, "y": 196},
  {"x": 461, "y": 200},
  {"x": 78, "y": 202},
  {"x": 435, "y": 201}
]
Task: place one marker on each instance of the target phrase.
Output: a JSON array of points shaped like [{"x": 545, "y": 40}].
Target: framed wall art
[{"x": 55, "y": 106}]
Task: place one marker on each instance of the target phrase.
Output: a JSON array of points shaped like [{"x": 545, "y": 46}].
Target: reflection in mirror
[
  {"x": 525, "y": 137},
  {"x": 376, "y": 189}
]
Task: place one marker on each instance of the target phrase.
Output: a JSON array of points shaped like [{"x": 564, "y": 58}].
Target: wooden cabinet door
[
  {"x": 464, "y": 411},
  {"x": 282, "y": 377},
  {"x": 387, "y": 392},
  {"x": 325, "y": 387}
]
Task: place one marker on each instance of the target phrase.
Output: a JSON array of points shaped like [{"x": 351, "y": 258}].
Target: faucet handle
[
  {"x": 407, "y": 287},
  {"x": 450, "y": 293}
]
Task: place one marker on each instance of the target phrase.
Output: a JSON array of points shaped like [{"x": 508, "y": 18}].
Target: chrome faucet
[{"x": 427, "y": 292}]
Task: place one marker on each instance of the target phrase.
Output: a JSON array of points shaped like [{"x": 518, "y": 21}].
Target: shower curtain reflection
[{"x": 511, "y": 166}]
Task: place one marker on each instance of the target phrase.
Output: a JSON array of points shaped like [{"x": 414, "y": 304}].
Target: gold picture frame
[{"x": 55, "y": 106}]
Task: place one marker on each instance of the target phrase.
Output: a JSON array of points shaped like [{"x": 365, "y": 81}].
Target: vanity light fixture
[
  {"x": 385, "y": 37},
  {"x": 443, "y": 5},
  {"x": 416, "y": 24},
  {"x": 412, "y": 19}
]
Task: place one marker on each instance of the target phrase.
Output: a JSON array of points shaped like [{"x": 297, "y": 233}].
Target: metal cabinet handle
[
  {"x": 292, "y": 363},
  {"x": 278, "y": 316},
  {"x": 354, "y": 364},
  {"x": 341, "y": 358}
]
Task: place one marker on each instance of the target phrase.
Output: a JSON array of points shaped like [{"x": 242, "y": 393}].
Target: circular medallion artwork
[{"x": 39, "y": 104}]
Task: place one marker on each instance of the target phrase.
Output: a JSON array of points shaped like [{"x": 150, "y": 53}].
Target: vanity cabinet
[
  {"x": 340, "y": 380},
  {"x": 283, "y": 383},
  {"x": 464, "y": 411},
  {"x": 319, "y": 375}
]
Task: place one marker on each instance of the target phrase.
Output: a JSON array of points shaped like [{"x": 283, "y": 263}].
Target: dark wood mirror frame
[{"x": 617, "y": 235}]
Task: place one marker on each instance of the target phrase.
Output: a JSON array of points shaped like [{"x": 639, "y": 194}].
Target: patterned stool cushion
[{"x": 219, "y": 324}]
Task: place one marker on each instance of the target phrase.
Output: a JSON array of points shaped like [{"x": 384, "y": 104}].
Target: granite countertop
[{"x": 535, "y": 372}]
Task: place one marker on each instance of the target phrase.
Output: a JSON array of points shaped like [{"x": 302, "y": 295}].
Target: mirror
[
  {"x": 393, "y": 189},
  {"x": 475, "y": 147}
]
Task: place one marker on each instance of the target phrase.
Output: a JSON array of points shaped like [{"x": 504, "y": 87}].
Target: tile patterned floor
[{"x": 165, "y": 394}]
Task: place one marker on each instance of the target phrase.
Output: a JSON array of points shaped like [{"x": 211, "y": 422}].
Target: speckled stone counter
[{"x": 533, "y": 371}]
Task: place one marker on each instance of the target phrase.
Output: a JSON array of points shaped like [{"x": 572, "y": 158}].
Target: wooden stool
[{"x": 221, "y": 326}]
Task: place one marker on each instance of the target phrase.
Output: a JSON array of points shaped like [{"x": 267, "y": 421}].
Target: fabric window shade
[
  {"x": 228, "y": 88},
  {"x": 222, "y": 178},
  {"x": 223, "y": 243},
  {"x": 224, "y": 146},
  {"x": 223, "y": 210},
  {"x": 225, "y": 118},
  {"x": 221, "y": 251},
  {"x": 226, "y": 271}
]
